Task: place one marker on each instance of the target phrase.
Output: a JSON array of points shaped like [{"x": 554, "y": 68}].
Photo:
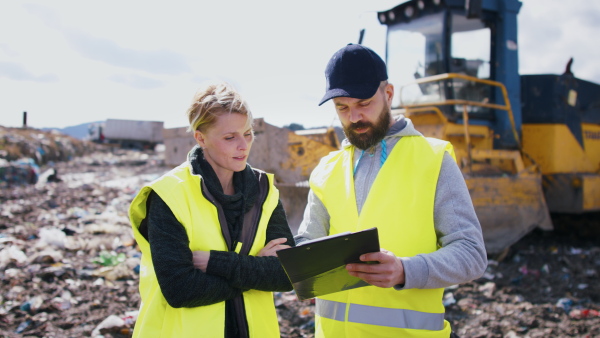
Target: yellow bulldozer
[{"x": 528, "y": 145}]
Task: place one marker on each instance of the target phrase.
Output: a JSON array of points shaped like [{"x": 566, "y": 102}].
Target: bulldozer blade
[{"x": 508, "y": 208}]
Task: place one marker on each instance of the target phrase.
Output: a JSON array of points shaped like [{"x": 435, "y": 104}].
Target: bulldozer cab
[
  {"x": 455, "y": 70},
  {"x": 428, "y": 38},
  {"x": 469, "y": 55}
]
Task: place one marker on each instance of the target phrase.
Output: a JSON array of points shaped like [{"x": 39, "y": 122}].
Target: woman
[{"x": 208, "y": 231}]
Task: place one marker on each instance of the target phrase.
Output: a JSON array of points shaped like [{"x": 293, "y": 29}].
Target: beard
[{"x": 374, "y": 134}]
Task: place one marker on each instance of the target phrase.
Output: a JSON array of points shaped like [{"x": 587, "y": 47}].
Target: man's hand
[
  {"x": 386, "y": 274},
  {"x": 200, "y": 259},
  {"x": 273, "y": 246}
]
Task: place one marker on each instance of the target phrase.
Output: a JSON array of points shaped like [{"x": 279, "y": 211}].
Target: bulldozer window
[
  {"x": 470, "y": 46},
  {"x": 415, "y": 50},
  {"x": 470, "y": 55}
]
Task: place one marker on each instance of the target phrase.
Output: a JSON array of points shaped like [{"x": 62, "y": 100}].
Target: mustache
[{"x": 359, "y": 124}]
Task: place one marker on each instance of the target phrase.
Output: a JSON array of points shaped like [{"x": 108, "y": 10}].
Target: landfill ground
[{"x": 68, "y": 264}]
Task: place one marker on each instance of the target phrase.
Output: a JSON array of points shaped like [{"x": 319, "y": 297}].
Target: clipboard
[{"x": 318, "y": 267}]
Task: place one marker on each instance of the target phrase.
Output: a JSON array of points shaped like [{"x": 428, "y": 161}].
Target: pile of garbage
[
  {"x": 24, "y": 150},
  {"x": 68, "y": 261},
  {"x": 19, "y": 172},
  {"x": 547, "y": 286},
  {"x": 69, "y": 266}
]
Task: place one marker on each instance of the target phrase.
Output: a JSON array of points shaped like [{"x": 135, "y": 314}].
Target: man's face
[{"x": 365, "y": 121}]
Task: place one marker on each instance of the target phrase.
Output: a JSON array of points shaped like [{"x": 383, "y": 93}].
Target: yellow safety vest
[
  {"x": 400, "y": 204},
  {"x": 190, "y": 204}
]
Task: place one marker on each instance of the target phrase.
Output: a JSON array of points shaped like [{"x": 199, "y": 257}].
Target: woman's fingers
[
  {"x": 276, "y": 241},
  {"x": 200, "y": 259},
  {"x": 273, "y": 246}
]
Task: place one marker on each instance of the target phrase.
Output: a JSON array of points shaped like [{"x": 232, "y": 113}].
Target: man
[{"x": 389, "y": 176}]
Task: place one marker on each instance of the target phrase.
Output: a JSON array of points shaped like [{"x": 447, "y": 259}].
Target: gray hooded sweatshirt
[{"x": 461, "y": 257}]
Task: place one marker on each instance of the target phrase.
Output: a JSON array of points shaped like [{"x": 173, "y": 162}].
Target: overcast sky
[{"x": 72, "y": 62}]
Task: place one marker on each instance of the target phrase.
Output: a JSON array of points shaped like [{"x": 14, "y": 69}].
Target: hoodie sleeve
[{"x": 315, "y": 223}]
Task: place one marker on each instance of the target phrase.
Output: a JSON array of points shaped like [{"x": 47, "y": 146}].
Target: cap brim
[{"x": 361, "y": 92}]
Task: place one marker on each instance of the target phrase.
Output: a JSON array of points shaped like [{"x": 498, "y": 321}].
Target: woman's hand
[
  {"x": 200, "y": 259},
  {"x": 273, "y": 246}
]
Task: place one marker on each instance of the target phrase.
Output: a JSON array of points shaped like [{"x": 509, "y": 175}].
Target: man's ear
[
  {"x": 389, "y": 93},
  {"x": 199, "y": 138}
]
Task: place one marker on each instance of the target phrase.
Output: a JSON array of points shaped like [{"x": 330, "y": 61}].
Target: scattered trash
[
  {"x": 23, "y": 171},
  {"x": 523, "y": 269},
  {"x": 53, "y": 236},
  {"x": 488, "y": 275},
  {"x": 23, "y": 326},
  {"x": 310, "y": 325},
  {"x": 112, "y": 323},
  {"x": 112, "y": 273},
  {"x": 545, "y": 269},
  {"x": 584, "y": 313},
  {"x": 487, "y": 289},
  {"x": 565, "y": 304},
  {"x": 12, "y": 254},
  {"x": 575, "y": 251},
  {"x": 67, "y": 254},
  {"x": 32, "y": 305},
  {"x": 130, "y": 317},
  {"x": 109, "y": 258},
  {"x": 448, "y": 299}
]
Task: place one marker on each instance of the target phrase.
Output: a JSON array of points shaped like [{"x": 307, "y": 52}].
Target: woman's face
[{"x": 227, "y": 143}]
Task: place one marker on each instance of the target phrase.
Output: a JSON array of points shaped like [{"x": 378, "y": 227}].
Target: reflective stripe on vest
[{"x": 364, "y": 314}]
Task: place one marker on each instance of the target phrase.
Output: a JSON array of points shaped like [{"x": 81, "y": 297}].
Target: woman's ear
[{"x": 199, "y": 138}]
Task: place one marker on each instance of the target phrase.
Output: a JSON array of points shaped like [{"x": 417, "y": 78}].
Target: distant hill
[{"x": 80, "y": 131}]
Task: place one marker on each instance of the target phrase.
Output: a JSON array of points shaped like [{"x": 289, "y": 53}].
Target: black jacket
[{"x": 228, "y": 273}]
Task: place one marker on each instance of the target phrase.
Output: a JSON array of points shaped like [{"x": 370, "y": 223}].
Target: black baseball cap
[{"x": 354, "y": 71}]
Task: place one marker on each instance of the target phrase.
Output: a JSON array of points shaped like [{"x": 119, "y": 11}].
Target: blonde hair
[{"x": 213, "y": 101}]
